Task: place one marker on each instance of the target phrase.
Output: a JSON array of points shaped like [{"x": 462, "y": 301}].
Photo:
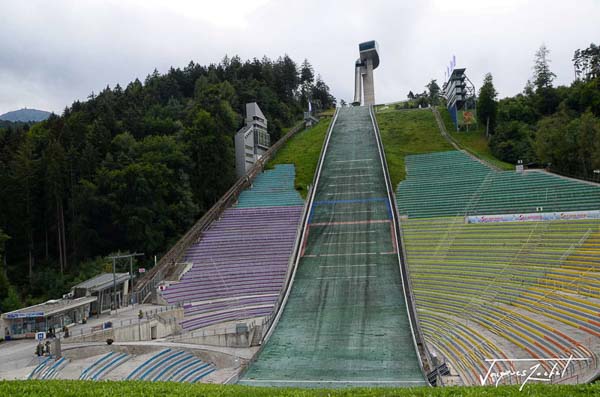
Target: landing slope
[{"x": 345, "y": 323}]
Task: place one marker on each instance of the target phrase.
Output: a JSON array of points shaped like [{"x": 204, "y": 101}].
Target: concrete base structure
[{"x": 368, "y": 85}]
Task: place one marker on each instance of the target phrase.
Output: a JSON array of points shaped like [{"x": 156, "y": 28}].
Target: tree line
[
  {"x": 543, "y": 126},
  {"x": 131, "y": 168},
  {"x": 548, "y": 126}
]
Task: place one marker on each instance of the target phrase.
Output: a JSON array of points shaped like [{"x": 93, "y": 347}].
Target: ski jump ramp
[{"x": 345, "y": 322}]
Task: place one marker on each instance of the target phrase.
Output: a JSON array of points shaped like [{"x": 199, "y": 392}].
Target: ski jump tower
[{"x": 364, "y": 89}]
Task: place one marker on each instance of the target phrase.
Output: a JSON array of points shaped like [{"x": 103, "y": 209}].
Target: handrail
[
  {"x": 148, "y": 283},
  {"x": 417, "y": 335},
  {"x": 580, "y": 178}
]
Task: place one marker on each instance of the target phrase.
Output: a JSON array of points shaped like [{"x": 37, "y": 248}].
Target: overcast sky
[{"x": 53, "y": 52}]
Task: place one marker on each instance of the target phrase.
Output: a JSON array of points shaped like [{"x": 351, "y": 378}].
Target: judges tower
[{"x": 364, "y": 88}]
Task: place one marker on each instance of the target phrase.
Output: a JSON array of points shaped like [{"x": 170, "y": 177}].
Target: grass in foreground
[
  {"x": 303, "y": 151},
  {"x": 473, "y": 141},
  {"x": 406, "y": 132},
  {"x": 74, "y": 388}
]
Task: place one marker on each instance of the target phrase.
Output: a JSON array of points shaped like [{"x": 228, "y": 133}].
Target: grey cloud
[{"x": 52, "y": 53}]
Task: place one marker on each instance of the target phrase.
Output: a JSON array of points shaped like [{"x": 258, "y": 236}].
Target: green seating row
[
  {"x": 453, "y": 183},
  {"x": 272, "y": 188}
]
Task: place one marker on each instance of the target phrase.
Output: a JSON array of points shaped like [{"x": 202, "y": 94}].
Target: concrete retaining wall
[
  {"x": 162, "y": 325},
  {"x": 227, "y": 339}
]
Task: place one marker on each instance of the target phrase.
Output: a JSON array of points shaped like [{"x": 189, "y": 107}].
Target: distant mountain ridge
[{"x": 25, "y": 115}]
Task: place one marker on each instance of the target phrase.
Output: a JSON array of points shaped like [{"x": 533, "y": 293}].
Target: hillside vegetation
[
  {"x": 473, "y": 141},
  {"x": 406, "y": 132},
  {"x": 303, "y": 151},
  {"x": 131, "y": 168},
  {"x": 72, "y": 388},
  {"x": 555, "y": 127}
]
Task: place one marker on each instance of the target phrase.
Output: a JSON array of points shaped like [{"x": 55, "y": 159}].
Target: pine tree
[
  {"x": 24, "y": 167},
  {"x": 307, "y": 75},
  {"x": 487, "y": 107},
  {"x": 542, "y": 75}
]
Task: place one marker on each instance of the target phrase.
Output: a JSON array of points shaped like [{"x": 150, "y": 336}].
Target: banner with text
[{"x": 535, "y": 217}]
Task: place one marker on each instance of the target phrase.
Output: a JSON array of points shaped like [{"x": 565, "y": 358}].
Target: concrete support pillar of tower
[
  {"x": 357, "y": 84},
  {"x": 368, "y": 84}
]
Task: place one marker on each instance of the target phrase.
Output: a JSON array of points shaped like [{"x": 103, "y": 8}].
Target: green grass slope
[
  {"x": 473, "y": 141},
  {"x": 303, "y": 151},
  {"x": 74, "y": 388},
  {"x": 406, "y": 132}
]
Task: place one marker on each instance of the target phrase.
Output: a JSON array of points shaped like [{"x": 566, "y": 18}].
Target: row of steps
[
  {"x": 166, "y": 365},
  {"x": 48, "y": 368},
  {"x": 172, "y": 365},
  {"x": 104, "y": 365}
]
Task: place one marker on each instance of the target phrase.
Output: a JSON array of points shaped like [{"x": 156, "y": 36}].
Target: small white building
[{"x": 252, "y": 141}]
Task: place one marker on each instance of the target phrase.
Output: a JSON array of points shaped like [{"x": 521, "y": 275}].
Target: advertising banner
[{"x": 535, "y": 217}]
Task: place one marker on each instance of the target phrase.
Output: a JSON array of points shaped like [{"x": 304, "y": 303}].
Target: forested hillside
[
  {"x": 131, "y": 168},
  {"x": 554, "y": 127}
]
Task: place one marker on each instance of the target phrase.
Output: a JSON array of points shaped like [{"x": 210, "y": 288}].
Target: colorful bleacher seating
[
  {"x": 272, "y": 188},
  {"x": 453, "y": 184},
  {"x": 531, "y": 287},
  {"x": 240, "y": 263}
]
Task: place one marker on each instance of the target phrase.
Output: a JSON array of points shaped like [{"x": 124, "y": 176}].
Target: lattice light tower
[{"x": 364, "y": 88}]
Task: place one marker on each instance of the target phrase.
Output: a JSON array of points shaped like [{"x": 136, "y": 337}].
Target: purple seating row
[
  {"x": 237, "y": 314},
  {"x": 238, "y": 266},
  {"x": 194, "y": 310},
  {"x": 224, "y": 283},
  {"x": 218, "y": 292}
]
